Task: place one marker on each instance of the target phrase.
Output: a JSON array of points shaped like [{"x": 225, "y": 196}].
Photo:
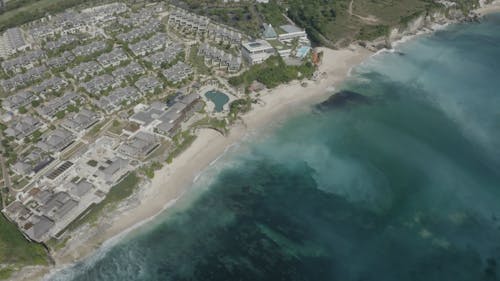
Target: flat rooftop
[
  {"x": 288, "y": 28},
  {"x": 257, "y": 45}
]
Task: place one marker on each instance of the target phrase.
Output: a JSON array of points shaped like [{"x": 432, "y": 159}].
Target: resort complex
[
  {"x": 245, "y": 129},
  {"x": 92, "y": 95}
]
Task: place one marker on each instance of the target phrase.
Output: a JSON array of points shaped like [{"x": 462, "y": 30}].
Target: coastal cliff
[{"x": 423, "y": 23}]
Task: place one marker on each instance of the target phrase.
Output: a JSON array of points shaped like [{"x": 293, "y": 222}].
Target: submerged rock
[{"x": 343, "y": 99}]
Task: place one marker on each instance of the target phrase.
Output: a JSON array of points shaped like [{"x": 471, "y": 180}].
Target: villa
[
  {"x": 177, "y": 73},
  {"x": 113, "y": 58},
  {"x": 23, "y": 127},
  {"x": 18, "y": 100},
  {"x": 51, "y": 107},
  {"x": 148, "y": 84}
]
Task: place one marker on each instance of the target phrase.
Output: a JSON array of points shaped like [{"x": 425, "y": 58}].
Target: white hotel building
[
  {"x": 257, "y": 51},
  {"x": 292, "y": 32}
]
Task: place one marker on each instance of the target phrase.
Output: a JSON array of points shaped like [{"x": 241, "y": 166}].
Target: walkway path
[{"x": 368, "y": 20}]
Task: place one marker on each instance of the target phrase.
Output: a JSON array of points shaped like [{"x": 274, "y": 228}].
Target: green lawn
[{"x": 16, "y": 251}]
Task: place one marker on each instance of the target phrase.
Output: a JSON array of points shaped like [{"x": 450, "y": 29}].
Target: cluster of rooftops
[{"x": 77, "y": 75}]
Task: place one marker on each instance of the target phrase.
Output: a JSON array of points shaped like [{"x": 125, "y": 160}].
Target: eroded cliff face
[
  {"x": 421, "y": 23},
  {"x": 427, "y": 23}
]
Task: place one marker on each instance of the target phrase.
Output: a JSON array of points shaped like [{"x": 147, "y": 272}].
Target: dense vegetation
[
  {"x": 272, "y": 73},
  {"x": 314, "y": 15},
  {"x": 327, "y": 22},
  {"x": 16, "y": 251},
  {"x": 18, "y": 12}
]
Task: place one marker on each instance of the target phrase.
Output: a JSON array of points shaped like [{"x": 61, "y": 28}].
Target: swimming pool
[
  {"x": 218, "y": 98},
  {"x": 303, "y": 51}
]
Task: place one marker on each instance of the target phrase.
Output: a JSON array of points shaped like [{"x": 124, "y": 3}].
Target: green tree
[
  {"x": 35, "y": 103},
  {"x": 60, "y": 114}
]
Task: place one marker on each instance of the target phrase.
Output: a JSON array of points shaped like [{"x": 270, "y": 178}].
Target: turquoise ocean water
[{"x": 396, "y": 177}]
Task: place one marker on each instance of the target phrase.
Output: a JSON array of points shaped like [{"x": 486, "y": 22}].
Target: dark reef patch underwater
[
  {"x": 343, "y": 99},
  {"x": 404, "y": 185}
]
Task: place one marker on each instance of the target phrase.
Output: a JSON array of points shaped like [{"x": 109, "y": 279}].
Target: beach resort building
[
  {"x": 139, "y": 145},
  {"x": 257, "y": 51},
  {"x": 290, "y": 33}
]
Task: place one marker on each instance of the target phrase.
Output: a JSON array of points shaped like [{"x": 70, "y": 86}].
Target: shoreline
[
  {"x": 174, "y": 180},
  {"x": 490, "y": 8}
]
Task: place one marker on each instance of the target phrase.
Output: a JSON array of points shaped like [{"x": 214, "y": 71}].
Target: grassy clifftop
[
  {"x": 16, "y": 251},
  {"x": 328, "y": 22}
]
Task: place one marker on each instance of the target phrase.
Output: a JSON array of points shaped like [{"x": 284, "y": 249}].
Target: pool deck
[{"x": 210, "y": 106}]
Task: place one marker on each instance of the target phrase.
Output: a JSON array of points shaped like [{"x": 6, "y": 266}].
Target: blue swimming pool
[
  {"x": 303, "y": 51},
  {"x": 218, "y": 98}
]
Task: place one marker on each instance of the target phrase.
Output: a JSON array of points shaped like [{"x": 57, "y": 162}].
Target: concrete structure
[
  {"x": 51, "y": 85},
  {"x": 22, "y": 80},
  {"x": 139, "y": 145},
  {"x": 23, "y": 127},
  {"x": 62, "y": 61},
  {"x": 113, "y": 58},
  {"x": 165, "y": 57},
  {"x": 23, "y": 62},
  {"x": 32, "y": 163},
  {"x": 13, "y": 41},
  {"x": 99, "y": 84},
  {"x": 81, "y": 121},
  {"x": 61, "y": 42},
  {"x": 90, "y": 49},
  {"x": 117, "y": 98},
  {"x": 129, "y": 71},
  {"x": 224, "y": 35},
  {"x": 85, "y": 70},
  {"x": 177, "y": 73},
  {"x": 181, "y": 19},
  {"x": 257, "y": 51},
  {"x": 56, "y": 141},
  {"x": 114, "y": 170},
  {"x": 153, "y": 44},
  {"x": 21, "y": 99},
  {"x": 179, "y": 111},
  {"x": 149, "y": 27},
  {"x": 292, "y": 32},
  {"x": 49, "y": 109},
  {"x": 219, "y": 58},
  {"x": 269, "y": 32},
  {"x": 148, "y": 84}
]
